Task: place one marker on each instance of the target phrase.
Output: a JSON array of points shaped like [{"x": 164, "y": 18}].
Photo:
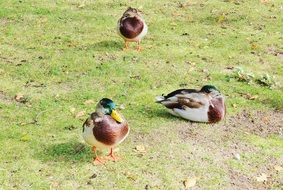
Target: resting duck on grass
[
  {"x": 105, "y": 129},
  {"x": 205, "y": 105},
  {"x": 131, "y": 27}
]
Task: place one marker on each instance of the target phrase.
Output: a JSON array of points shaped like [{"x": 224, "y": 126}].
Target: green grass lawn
[{"x": 56, "y": 56}]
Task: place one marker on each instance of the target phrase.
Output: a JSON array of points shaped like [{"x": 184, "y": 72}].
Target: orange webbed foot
[
  {"x": 112, "y": 157},
  {"x": 98, "y": 161},
  {"x": 126, "y": 47},
  {"x": 139, "y": 47}
]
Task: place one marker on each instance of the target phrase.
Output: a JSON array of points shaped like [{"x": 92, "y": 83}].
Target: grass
[{"x": 58, "y": 56}]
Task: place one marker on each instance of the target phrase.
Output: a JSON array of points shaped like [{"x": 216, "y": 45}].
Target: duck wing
[{"x": 183, "y": 98}]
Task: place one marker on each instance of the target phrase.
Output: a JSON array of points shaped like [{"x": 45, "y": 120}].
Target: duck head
[
  {"x": 211, "y": 90},
  {"x": 131, "y": 12},
  {"x": 107, "y": 107}
]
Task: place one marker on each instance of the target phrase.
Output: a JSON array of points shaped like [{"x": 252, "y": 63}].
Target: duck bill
[{"x": 116, "y": 116}]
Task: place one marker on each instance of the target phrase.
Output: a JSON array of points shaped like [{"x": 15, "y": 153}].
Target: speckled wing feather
[
  {"x": 180, "y": 91},
  {"x": 182, "y": 98},
  {"x": 191, "y": 103}
]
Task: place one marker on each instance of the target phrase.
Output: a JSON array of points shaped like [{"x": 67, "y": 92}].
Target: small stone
[{"x": 237, "y": 156}]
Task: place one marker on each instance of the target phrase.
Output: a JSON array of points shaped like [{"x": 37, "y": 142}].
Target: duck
[
  {"x": 105, "y": 129},
  {"x": 205, "y": 105},
  {"x": 132, "y": 27}
]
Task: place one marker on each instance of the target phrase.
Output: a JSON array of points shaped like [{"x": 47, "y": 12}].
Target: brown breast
[
  {"x": 216, "y": 112},
  {"x": 131, "y": 27},
  {"x": 108, "y": 131}
]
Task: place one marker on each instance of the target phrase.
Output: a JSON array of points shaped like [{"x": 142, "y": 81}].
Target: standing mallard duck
[
  {"x": 205, "y": 105},
  {"x": 131, "y": 27},
  {"x": 105, "y": 128}
]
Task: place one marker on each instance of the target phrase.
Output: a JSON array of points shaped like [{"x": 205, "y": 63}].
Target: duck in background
[
  {"x": 131, "y": 27},
  {"x": 105, "y": 129},
  {"x": 205, "y": 105}
]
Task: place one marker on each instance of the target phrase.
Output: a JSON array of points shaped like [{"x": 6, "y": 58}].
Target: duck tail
[{"x": 159, "y": 99}]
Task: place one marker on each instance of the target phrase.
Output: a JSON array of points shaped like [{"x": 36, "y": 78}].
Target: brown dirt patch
[
  {"x": 4, "y": 98},
  {"x": 261, "y": 123},
  {"x": 214, "y": 146}
]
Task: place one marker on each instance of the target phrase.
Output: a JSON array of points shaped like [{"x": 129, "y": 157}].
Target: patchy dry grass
[{"x": 54, "y": 56}]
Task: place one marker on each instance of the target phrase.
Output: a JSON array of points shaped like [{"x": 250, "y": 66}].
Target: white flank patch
[
  {"x": 89, "y": 138},
  {"x": 195, "y": 114}
]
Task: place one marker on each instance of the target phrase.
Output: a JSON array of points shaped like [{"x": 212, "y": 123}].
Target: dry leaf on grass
[
  {"x": 25, "y": 137},
  {"x": 72, "y": 110},
  {"x": 190, "y": 182},
  {"x": 262, "y": 177},
  {"x": 20, "y": 98},
  {"x": 249, "y": 96},
  {"x": 80, "y": 114},
  {"x": 140, "y": 148},
  {"x": 82, "y": 4},
  {"x": 89, "y": 102},
  {"x": 131, "y": 176}
]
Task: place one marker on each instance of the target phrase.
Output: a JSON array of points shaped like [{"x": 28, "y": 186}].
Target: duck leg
[
  {"x": 111, "y": 156},
  {"x": 139, "y": 46},
  {"x": 96, "y": 160},
  {"x": 126, "y": 45}
]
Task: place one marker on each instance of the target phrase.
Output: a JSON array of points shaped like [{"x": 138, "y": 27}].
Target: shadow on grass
[
  {"x": 66, "y": 152},
  {"x": 106, "y": 46},
  {"x": 164, "y": 114}
]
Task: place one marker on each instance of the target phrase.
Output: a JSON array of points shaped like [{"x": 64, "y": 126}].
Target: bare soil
[{"x": 221, "y": 142}]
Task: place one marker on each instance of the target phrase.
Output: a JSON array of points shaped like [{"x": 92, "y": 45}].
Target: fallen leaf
[
  {"x": 20, "y": 98},
  {"x": 221, "y": 18},
  {"x": 80, "y": 114},
  {"x": 25, "y": 137},
  {"x": 249, "y": 96},
  {"x": 265, "y": 119},
  {"x": 140, "y": 149},
  {"x": 89, "y": 102},
  {"x": 254, "y": 46},
  {"x": 262, "y": 177},
  {"x": 72, "y": 110},
  {"x": 131, "y": 176},
  {"x": 82, "y": 5},
  {"x": 190, "y": 182}
]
